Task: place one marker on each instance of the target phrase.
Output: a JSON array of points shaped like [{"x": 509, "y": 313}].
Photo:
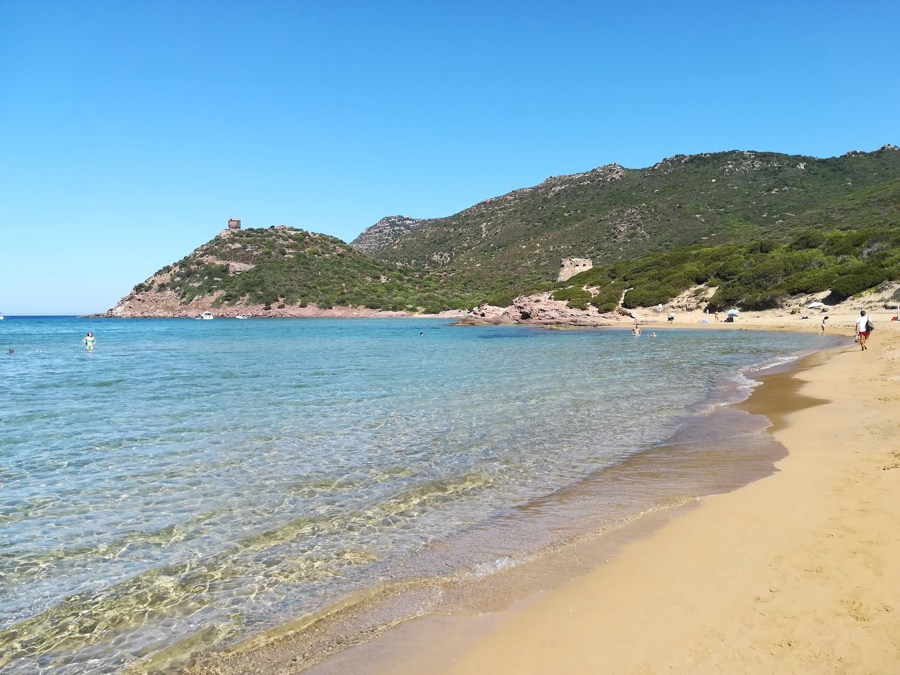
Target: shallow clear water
[{"x": 207, "y": 479}]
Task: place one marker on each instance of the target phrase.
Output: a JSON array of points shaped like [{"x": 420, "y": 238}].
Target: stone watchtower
[
  {"x": 234, "y": 224},
  {"x": 572, "y": 266}
]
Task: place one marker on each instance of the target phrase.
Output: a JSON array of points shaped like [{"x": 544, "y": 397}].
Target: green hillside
[
  {"x": 759, "y": 226},
  {"x": 613, "y": 214},
  {"x": 281, "y": 266},
  {"x": 759, "y": 275}
]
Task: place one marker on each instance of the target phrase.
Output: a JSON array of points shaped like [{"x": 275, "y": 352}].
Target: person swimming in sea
[{"x": 89, "y": 341}]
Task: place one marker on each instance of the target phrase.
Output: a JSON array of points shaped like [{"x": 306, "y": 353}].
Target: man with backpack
[{"x": 864, "y": 326}]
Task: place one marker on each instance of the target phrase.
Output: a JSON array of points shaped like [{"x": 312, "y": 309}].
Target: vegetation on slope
[
  {"x": 282, "y": 266},
  {"x": 612, "y": 213},
  {"x": 758, "y": 226},
  {"x": 759, "y": 275}
]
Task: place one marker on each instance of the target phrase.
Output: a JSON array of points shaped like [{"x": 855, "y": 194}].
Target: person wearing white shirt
[{"x": 862, "y": 330}]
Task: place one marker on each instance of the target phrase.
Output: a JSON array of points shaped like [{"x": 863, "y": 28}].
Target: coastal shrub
[
  {"x": 500, "y": 299},
  {"x": 857, "y": 280},
  {"x": 762, "y": 246},
  {"x": 645, "y": 296},
  {"x": 607, "y": 297},
  {"x": 596, "y": 276},
  {"x": 433, "y": 307},
  {"x": 732, "y": 266},
  {"x": 263, "y": 297},
  {"x": 577, "y": 297},
  {"x": 726, "y": 297},
  {"x": 808, "y": 281},
  {"x": 808, "y": 239},
  {"x": 842, "y": 243},
  {"x": 764, "y": 300},
  {"x": 655, "y": 291},
  {"x": 765, "y": 274},
  {"x": 695, "y": 272}
]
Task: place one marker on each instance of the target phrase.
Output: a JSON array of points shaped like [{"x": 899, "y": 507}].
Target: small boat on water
[
  {"x": 1, "y": 316},
  {"x": 207, "y": 316},
  {"x": 239, "y": 316}
]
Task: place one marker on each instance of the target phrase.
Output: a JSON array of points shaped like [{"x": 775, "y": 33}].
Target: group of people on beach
[{"x": 864, "y": 326}]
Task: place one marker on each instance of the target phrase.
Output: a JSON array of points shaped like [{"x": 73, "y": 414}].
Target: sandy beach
[{"x": 798, "y": 572}]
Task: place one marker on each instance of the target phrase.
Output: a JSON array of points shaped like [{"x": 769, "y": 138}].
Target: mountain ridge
[{"x": 513, "y": 243}]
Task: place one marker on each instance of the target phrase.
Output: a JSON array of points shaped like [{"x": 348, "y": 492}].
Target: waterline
[{"x": 203, "y": 481}]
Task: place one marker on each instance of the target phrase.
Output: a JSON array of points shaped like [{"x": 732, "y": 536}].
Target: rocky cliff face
[{"x": 384, "y": 232}]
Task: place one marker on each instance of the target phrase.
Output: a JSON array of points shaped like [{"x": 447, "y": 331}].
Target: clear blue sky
[{"x": 131, "y": 131}]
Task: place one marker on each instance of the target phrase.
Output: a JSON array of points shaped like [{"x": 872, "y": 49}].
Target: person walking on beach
[
  {"x": 822, "y": 326},
  {"x": 862, "y": 330},
  {"x": 89, "y": 341}
]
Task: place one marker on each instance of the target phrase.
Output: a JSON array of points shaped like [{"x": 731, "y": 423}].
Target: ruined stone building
[{"x": 572, "y": 266}]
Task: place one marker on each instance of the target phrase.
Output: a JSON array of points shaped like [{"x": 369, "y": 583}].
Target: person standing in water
[{"x": 89, "y": 341}]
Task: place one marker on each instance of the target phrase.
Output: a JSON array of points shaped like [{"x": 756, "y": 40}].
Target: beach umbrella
[
  {"x": 813, "y": 305},
  {"x": 733, "y": 312}
]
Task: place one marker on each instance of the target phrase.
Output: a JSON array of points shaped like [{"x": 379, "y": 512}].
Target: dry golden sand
[{"x": 796, "y": 573}]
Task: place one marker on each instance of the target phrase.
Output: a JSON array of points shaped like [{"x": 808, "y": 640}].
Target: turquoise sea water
[{"x": 199, "y": 481}]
